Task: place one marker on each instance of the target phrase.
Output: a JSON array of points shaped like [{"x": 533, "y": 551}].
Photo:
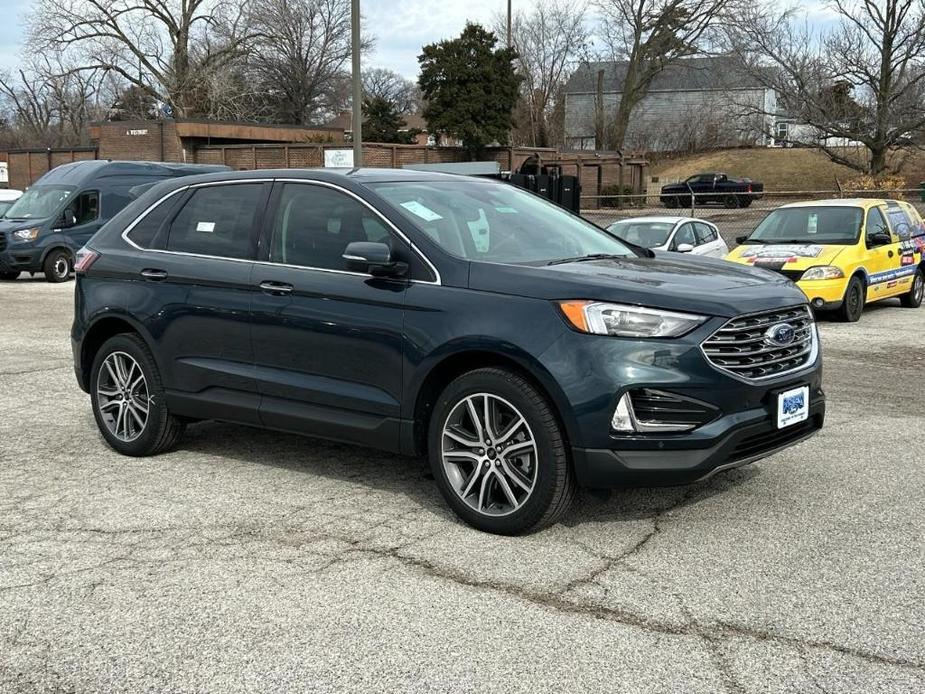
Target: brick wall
[{"x": 25, "y": 166}]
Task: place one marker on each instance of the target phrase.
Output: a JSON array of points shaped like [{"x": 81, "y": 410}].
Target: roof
[
  {"x": 841, "y": 202},
  {"x": 657, "y": 218},
  {"x": 79, "y": 171},
  {"x": 689, "y": 74}
]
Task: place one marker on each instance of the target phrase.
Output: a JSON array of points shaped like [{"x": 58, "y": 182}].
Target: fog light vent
[{"x": 646, "y": 410}]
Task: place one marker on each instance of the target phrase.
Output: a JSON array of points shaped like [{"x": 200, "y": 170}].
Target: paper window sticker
[
  {"x": 422, "y": 211},
  {"x": 207, "y": 227}
]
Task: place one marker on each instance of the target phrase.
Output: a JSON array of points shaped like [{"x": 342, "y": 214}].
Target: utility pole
[
  {"x": 509, "y": 44},
  {"x": 357, "y": 85}
]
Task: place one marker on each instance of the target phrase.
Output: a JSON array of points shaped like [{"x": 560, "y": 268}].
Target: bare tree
[
  {"x": 167, "y": 48},
  {"x": 301, "y": 55},
  {"x": 382, "y": 83},
  {"x": 50, "y": 104},
  {"x": 646, "y": 36},
  {"x": 548, "y": 42},
  {"x": 859, "y": 81}
]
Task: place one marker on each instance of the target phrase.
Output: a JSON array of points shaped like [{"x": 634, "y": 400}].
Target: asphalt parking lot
[{"x": 255, "y": 561}]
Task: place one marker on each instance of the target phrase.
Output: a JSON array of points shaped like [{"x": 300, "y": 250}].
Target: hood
[
  {"x": 790, "y": 256},
  {"x": 10, "y": 225},
  {"x": 695, "y": 284}
]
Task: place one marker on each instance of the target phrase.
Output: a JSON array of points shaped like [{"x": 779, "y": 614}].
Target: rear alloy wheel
[
  {"x": 128, "y": 399},
  {"x": 731, "y": 202},
  {"x": 9, "y": 276},
  {"x": 853, "y": 304},
  {"x": 57, "y": 266},
  {"x": 913, "y": 299},
  {"x": 498, "y": 454}
]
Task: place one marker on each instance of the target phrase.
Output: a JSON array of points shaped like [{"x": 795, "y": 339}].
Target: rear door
[
  {"x": 327, "y": 340},
  {"x": 880, "y": 255},
  {"x": 196, "y": 290},
  {"x": 906, "y": 229},
  {"x": 708, "y": 241}
]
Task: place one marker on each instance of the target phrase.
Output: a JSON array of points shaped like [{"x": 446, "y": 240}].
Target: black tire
[
  {"x": 913, "y": 298},
  {"x": 745, "y": 202},
  {"x": 731, "y": 201},
  {"x": 161, "y": 430},
  {"x": 554, "y": 487},
  {"x": 853, "y": 303},
  {"x": 9, "y": 276},
  {"x": 57, "y": 266}
]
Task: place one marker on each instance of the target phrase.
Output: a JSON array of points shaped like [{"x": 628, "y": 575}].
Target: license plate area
[{"x": 792, "y": 406}]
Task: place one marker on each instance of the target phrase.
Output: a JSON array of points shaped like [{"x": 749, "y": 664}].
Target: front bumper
[
  {"x": 664, "y": 461},
  {"x": 17, "y": 259},
  {"x": 830, "y": 292}
]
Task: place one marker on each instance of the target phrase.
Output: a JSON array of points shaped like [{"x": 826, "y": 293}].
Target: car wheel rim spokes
[
  {"x": 489, "y": 454},
  {"x": 918, "y": 289},
  {"x": 122, "y": 396}
]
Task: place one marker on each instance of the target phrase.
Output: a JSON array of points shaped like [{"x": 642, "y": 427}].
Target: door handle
[
  {"x": 276, "y": 288},
  {"x": 154, "y": 275}
]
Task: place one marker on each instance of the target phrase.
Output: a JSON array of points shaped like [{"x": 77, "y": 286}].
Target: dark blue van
[{"x": 56, "y": 216}]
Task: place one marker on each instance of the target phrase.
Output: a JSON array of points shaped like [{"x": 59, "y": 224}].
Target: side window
[
  {"x": 145, "y": 231},
  {"x": 219, "y": 221},
  {"x": 875, "y": 228},
  {"x": 899, "y": 221},
  {"x": 705, "y": 233},
  {"x": 83, "y": 209},
  {"x": 684, "y": 235},
  {"x": 314, "y": 224}
]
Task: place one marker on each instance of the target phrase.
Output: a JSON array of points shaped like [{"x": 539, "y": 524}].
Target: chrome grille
[{"x": 742, "y": 347}]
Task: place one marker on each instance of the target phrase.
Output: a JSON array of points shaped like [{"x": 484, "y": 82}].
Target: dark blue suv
[{"x": 524, "y": 350}]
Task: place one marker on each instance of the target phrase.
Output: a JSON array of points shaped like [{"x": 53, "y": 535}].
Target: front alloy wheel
[
  {"x": 489, "y": 454},
  {"x": 498, "y": 453}
]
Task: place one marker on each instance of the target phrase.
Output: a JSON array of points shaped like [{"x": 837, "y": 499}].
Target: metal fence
[{"x": 732, "y": 221}]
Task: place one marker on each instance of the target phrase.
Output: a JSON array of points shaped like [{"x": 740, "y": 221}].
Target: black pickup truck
[{"x": 712, "y": 187}]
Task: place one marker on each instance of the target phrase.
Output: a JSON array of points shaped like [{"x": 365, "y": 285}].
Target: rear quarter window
[{"x": 145, "y": 231}]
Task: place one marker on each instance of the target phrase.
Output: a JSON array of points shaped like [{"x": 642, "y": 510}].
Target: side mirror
[
  {"x": 67, "y": 218},
  {"x": 684, "y": 248},
  {"x": 374, "y": 258},
  {"x": 741, "y": 239},
  {"x": 880, "y": 238}
]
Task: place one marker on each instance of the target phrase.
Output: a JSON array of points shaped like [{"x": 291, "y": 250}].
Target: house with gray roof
[{"x": 696, "y": 103}]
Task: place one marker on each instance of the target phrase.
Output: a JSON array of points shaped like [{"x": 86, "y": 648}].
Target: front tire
[
  {"x": 498, "y": 453},
  {"x": 913, "y": 299},
  {"x": 853, "y": 304},
  {"x": 128, "y": 399},
  {"x": 57, "y": 266}
]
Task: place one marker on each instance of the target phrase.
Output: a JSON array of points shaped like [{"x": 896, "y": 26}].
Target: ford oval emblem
[{"x": 781, "y": 335}]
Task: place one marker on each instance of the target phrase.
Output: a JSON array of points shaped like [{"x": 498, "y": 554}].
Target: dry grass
[{"x": 778, "y": 169}]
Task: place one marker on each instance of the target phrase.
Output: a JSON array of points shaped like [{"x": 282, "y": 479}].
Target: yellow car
[{"x": 843, "y": 254}]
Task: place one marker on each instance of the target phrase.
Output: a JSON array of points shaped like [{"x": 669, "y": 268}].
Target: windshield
[
  {"x": 39, "y": 202},
  {"x": 497, "y": 223},
  {"x": 645, "y": 234},
  {"x": 823, "y": 225},
  {"x": 5, "y": 205}
]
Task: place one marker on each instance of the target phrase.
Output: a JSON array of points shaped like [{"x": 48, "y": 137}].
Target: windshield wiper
[{"x": 582, "y": 258}]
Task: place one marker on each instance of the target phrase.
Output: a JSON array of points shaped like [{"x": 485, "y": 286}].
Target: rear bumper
[{"x": 659, "y": 461}]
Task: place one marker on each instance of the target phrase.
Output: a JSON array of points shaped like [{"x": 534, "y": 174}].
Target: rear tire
[
  {"x": 128, "y": 399},
  {"x": 913, "y": 299},
  {"x": 514, "y": 475},
  {"x": 853, "y": 303},
  {"x": 9, "y": 276},
  {"x": 57, "y": 266},
  {"x": 731, "y": 202}
]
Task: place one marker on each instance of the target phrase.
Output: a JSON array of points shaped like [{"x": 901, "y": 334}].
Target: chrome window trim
[
  {"x": 395, "y": 229},
  {"x": 808, "y": 366}
]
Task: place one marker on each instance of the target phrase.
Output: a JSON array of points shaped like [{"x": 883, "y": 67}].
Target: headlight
[
  {"x": 601, "y": 318},
  {"x": 823, "y": 272},
  {"x": 26, "y": 234}
]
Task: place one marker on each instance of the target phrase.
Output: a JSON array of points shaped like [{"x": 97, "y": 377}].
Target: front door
[
  {"x": 82, "y": 218},
  {"x": 327, "y": 340}
]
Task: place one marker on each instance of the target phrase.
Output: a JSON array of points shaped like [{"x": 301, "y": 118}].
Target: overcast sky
[{"x": 401, "y": 27}]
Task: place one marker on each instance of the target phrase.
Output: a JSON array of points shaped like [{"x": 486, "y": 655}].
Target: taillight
[
  {"x": 85, "y": 258},
  {"x": 749, "y": 187}
]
